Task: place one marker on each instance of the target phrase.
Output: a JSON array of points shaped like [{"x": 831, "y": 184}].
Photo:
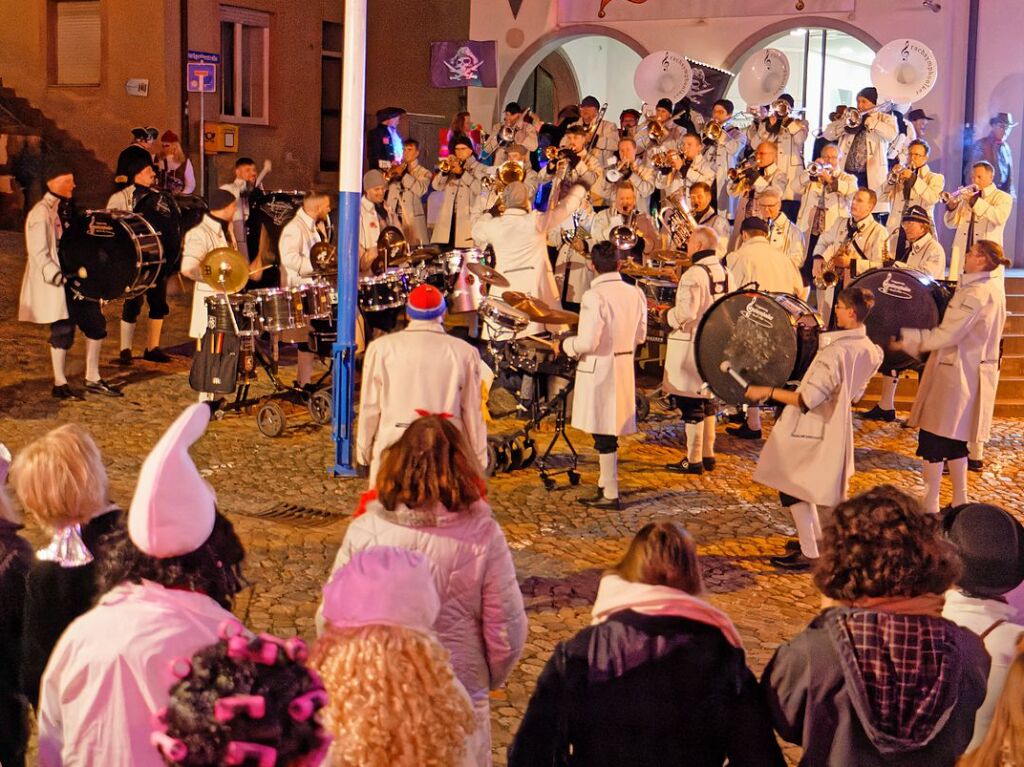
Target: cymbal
[
  {"x": 559, "y": 317},
  {"x": 514, "y": 298},
  {"x": 538, "y": 310},
  {"x": 422, "y": 254},
  {"x": 434, "y": 250},
  {"x": 225, "y": 270},
  {"x": 666, "y": 255},
  {"x": 487, "y": 275}
]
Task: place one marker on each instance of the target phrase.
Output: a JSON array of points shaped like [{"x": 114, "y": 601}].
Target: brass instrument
[
  {"x": 509, "y": 172},
  {"x": 816, "y": 168},
  {"x": 592, "y": 128},
  {"x": 507, "y": 133},
  {"x": 894, "y": 174},
  {"x": 829, "y": 276},
  {"x": 736, "y": 173},
  {"x": 854, "y": 117},
  {"x": 664, "y": 159},
  {"x": 394, "y": 172},
  {"x": 957, "y": 196},
  {"x": 577, "y": 238},
  {"x": 678, "y": 219},
  {"x": 616, "y": 171},
  {"x": 449, "y": 166},
  {"x": 624, "y": 236},
  {"x": 781, "y": 108},
  {"x": 713, "y": 132}
]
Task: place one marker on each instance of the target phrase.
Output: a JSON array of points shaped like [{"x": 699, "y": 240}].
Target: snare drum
[
  {"x": 467, "y": 292},
  {"x": 768, "y": 338},
  {"x": 661, "y": 294},
  {"x": 503, "y": 318},
  {"x": 279, "y": 309},
  {"x": 220, "y": 308},
  {"x": 384, "y": 291},
  {"x": 904, "y": 298},
  {"x": 316, "y": 300},
  {"x": 110, "y": 254}
]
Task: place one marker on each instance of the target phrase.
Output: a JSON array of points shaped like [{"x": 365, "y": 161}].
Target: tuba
[
  {"x": 763, "y": 77},
  {"x": 509, "y": 172},
  {"x": 678, "y": 219}
]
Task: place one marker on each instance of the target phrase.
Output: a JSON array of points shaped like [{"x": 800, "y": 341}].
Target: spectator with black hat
[
  {"x": 139, "y": 150},
  {"x": 383, "y": 142},
  {"x": 919, "y": 120},
  {"x": 995, "y": 150}
]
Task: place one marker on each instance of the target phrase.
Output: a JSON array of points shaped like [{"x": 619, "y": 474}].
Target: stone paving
[{"x": 559, "y": 547}]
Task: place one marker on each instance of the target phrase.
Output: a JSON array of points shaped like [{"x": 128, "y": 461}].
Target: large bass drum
[
  {"x": 904, "y": 298},
  {"x": 161, "y": 210},
  {"x": 768, "y": 338},
  {"x": 110, "y": 254},
  {"x": 269, "y": 212}
]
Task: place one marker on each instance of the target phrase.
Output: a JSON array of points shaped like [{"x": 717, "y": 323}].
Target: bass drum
[
  {"x": 904, "y": 298},
  {"x": 768, "y": 338},
  {"x": 192, "y": 208},
  {"x": 110, "y": 254},
  {"x": 161, "y": 210},
  {"x": 269, "y": 212}
]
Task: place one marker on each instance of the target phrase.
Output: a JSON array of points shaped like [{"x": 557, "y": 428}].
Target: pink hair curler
[
  {"x": 226, "y": 709},
  {"x": 180, "y": 668},
  {"x": 297, "y": 649},
  {"x": 159, "y": 719},
  {"x": 229, "y": 629},
  {"x": 304, "y": 706},
  {"x": 171, "y": 748},
  {"x": 238, "y": 648},
  {"x": 239, "y": 751},
  {"x": 265, "y": 652}
]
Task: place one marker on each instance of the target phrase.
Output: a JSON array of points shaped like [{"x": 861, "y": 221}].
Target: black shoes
[
  {"x": 102, "y": 387},
  {"x": 124, "y": 359},
  {"x": 65, "y": 392},
  {"x": 156, "y": 354},
  {"x": 743, "y": 432},
  {"x": 795, "y": 562},
  {"x": 612, "y": 504},
  {"x": 975, "y": 464},
  {"x": 685, "y": 467},
  {"x": 877, "y": 414},
  {"x": 709, "y": 464}
]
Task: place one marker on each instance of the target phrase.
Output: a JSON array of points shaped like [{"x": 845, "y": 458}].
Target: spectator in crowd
[
  {"x": 429, "y": 497},
  {"x": 461, "y": 126},
  {"x": 168, "y": 580},
  {"x": 659, "y": 678},
  {"x": 27, "y": 166},
  {"x": 62, "y": 483},
  {"x": 244, "y": 700},
  {"x": 15, "y": 561},
  {"x": 991, "y": 546},
  {"x": 1003, "y": 745},
  {"x": 384, "y": 142},
  {"x": 880, "y": 677},
  {"x": 394, "y": 700},
  {"x": 175, "y": 173}
]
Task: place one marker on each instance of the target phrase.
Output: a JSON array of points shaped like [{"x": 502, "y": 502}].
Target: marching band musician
[
  {"x": 866, "y": 146},
  {"x": 956, "y": 398},
  {"x": 141, "y": 177},
  {"x": 631, "y": 169},
  {"x": 789, "y": 134},
  {"x": 723, "y": 154},
  {"x": 826, "y": 197},
  {"x": 808, "y": 457},
  {"x": 489, "y": 197},
  {"x": 685, "y": 167},
  {"x": 915, "y": 185},
  {"x": 978, "y": 216},
  {"x": 45, "y": 298},
  {"x": 757, "y": 261},
  {"x": 242, "y": 186},
  {"x": 628, "y": 120},
  {"x": 406, "y": 185},
  {"x": 751, "y": 181},
  {"x": 571, "y": 241},
  {"x": 419, "y": 370},
  {"x": 461, "y": 187},
  {"x": 673, "y": 134},
  {"x": 919, "y": 250},
  {"x": 621, "y": 213},
  {"x": 613, "y": 322},
  {"x": 141, "y": 148},
  {"x": 783, "y": 234},
  {"x": 705, "y": 215},
  {"x": 525, "y": 134},
  {"x": 699, "y": 287},
  {"x": 374, "y": 216},
  {"x": 851, "y": 246},
  {"x": 607, "y": 134},
  {"x": 519, "y": 238}
]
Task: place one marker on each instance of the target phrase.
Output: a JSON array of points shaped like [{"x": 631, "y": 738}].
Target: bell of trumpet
[
  {"x": 226, "y": 270},
  {"x": 957, "y": 195},
  {"x": 713, "y": 132}
]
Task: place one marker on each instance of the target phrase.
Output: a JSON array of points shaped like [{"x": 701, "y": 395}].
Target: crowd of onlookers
[{"x": 119, "y": 637}]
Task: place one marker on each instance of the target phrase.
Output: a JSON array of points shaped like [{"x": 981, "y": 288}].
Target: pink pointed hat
[{"x": 173, "y": 510}]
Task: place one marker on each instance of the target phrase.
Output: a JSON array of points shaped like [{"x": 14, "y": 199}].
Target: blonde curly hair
[{"x": 394, "y": 700}]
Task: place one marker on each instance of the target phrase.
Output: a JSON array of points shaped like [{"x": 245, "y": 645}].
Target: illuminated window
[{"x": 245, "y": 65}]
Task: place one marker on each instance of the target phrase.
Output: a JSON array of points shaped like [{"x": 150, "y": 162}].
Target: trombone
[
  {"x": 507, "y": 133},
  {"x": 854, "y": 117},
  {"x": 592, "y": 128}
]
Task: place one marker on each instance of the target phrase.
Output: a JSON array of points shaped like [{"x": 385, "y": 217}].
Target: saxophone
[
  {"x": 829, "y": 276},
  {"x": 577, "y": 238}
]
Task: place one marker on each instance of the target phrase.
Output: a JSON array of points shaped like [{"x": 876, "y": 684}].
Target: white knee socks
[
  {"x": 694, "y": 442},
  {"x": 754, "y": 418},
  {"x": 808, "y": 527},
  {"x": 305, "y": 372},
  {"x": 887, "y": 399},
  {"x": 976, "y": 451},
  {"x": 609, "y": 478},
  {"x": 127, "y": 334},
  {"x": 92, "y": 359},
  {"x": 958, "y": 476},
  {"x": 932, "y": 473},
  {"x": 57, "y": 358},
  {"x": 708, "y": 448}
]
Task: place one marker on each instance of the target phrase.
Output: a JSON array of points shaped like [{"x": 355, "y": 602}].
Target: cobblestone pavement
[{"x": 560, "y": 548}]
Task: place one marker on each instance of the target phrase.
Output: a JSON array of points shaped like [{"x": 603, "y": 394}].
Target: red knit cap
[{"x": 425, "y": 303}]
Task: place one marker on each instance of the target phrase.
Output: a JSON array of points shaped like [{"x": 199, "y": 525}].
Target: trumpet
[
  {"x": 712, "y": 132},
  {"x": 616, "y": 171},
  {"x": 735, "y": 174},
  {"x": 450, "y": 166},
  {"x": 664, "y": 159},
  {"x": 394, "y": 172},
  {"x": 854, "y": 117},
  {"x": 816, "y": 168},
  {"x": 957, "y": 196},
  {"x": 895, "y": 173}
]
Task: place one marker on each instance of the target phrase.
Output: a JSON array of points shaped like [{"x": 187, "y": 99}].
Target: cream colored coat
[
  {"x": 404, "y": 199},
  {"x": 525, "y": 135},
  {"x": 925, "y": 193},
  {"x": 757, "y": 261},
  {"x": 722, "y": 156},
  {"x": 784, "y": 236},
  {"x": 720, "y": 223},
  {"x": 613, "y": 322},
  {"x": 809, "y": 455},
  {"x": 200, "y": 240},
  {"x": 837, "y": 200},
  {"x": 790, "y": 140},
  {"x": 297, "y": 238},
  {"x": 991, "y": 213},
  {"x": 926, "y": 255},
  {"x": 870, "y": 238},
  {"x": 459, "y": 194},
  {"x": 957, "y": 393},
  {"x": 881, "y": 130},
  {"x": 693, "y": 299},
  {"x": 773, "y": 177},
  {"x": 674, "y": 181},
  {"x": 42, "y": 299},
  {"x": 419, "y": 368}
]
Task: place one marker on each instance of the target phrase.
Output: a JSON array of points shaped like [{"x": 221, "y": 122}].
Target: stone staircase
[
  {"x": 93, "y": 177},
  {"x": 1010, "y": 396}
]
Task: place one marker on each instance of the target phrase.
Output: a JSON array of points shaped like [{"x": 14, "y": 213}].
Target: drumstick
[{"x": 726, "y": 367}]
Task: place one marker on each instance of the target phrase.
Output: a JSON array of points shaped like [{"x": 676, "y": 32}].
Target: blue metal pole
[{"x": 350, "y": 166}]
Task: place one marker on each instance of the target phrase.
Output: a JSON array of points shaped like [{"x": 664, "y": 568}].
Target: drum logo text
[
  {"x": 895, "y": 288},
  {"x": 757, "y": 314},
  {"x": 98, "y": 228}
]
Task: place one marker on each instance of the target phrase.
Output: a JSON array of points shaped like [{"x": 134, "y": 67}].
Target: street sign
[
  {"x": 201, "y": 78},
  {"x": 203, "y": 57}
]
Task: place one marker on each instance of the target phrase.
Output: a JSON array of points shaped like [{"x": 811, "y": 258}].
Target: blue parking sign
[{"x": 201, "y": 78}]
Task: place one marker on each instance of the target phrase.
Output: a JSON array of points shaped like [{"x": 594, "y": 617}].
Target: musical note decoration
[
  {"x": 604, "y": 3},
  {"x": 515, "y": 5}
]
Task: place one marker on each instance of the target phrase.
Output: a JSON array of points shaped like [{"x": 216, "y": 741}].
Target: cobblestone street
[{"x": 559, "y": 546}]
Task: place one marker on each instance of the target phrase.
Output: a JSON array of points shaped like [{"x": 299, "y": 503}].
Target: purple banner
[
  {"x": 461, "y": 63},
  {"x": 709, "y": 84}
]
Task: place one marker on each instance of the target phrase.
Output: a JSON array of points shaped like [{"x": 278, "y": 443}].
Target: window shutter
[{"x": 78, "y": 43}]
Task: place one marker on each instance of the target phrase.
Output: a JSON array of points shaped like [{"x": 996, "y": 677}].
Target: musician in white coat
[
  {"x": 613, "y": 322},
  {"x": 420, "y": 368},
  {"x": 865, "y": 147},
  {"x": 751, "y": 181},
  {"x": 705, "y": 215},
  {"x": 826, "y": 197},
  {"x": 461, "y": 187},
  {"x": 672, "y": 134},
  {"x": 624, "y": 210},
  {"x": 701, "y": 285},
  {"x": 783, "y": 234},
  {"x": 808, "y": 457},
  {"x": 492, "y": 186},
  {"x": 916, "y": 184},
  {"x": 627, "y": 167},
  {"x": 44, "y": 297},
  {"x": 981, "y": 216},
  {"x": 601, "y": 135},
  {"x": 404, "y": 196},
  {"x": 789, "y": 134},
  {"x": 686, "y": 168},
  {"x": 722, "y": 154},
  {"x": 956, "y": 397},
  {"x": 524, "y": 134},
  {"x": 374, "y": 217}
]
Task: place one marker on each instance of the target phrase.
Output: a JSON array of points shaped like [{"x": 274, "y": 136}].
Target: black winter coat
[{"x": 15, "y": 560}]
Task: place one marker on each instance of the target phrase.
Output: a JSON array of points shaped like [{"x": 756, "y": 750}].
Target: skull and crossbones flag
[{"x": 461, "y": 63}]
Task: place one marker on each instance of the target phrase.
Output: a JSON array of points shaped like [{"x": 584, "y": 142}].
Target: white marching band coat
[
  {"x": 756, "y": 261},
  {"x": 926, "y": 255},
  {"x": 404, "y": 199},
  {"x": 418, "y": 368},
  {"x": 881, "y": 129},
  {"x": 809, "y": 455},
  {"x": 957, "y": 393},
  {"x": 607, "y": 140},
  {"x": 925, "y": 192},
  {"x": 297, "y": 238},
  {"x": 720, "y": 224},
  {"x": 43, "y": 299},
  {"x": 613, "y": 322},
  {"x": 693, "y": 299},
  {"x": 784, "y": 235},
  {"x": 870, "y": 238},
  {"x": 459, "y": 194},
  {"x": 838, "y": 197},
  {"x": 722, "y": 155},
  {"x": 674, "y": 181},
  {"x": 990, "y": 213},
  {"x": 526, "y": 135},
  {"x": 790, "y": 141},
  {"x": 769, "y": 176},
  {"x": 639, "y": 175},
  {"x": 200, "y": 240}
]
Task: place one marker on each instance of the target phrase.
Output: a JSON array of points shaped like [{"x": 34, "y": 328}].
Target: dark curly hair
[
  {"x": 882, "y": 543},
  {"x": 214, "y": 569},
  {"x": 208, "y": 712}
]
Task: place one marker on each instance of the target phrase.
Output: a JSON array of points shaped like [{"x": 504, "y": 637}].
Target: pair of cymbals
[
  {"x": 538, "y": 311},
  {"x": 487, "y": 275}
]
